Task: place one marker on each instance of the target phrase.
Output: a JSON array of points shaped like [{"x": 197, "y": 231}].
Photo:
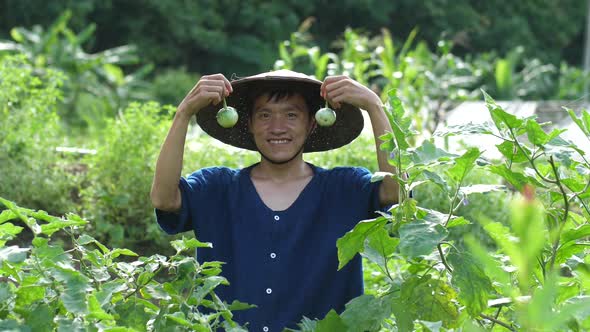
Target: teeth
[{"x": 277, "y": 141}]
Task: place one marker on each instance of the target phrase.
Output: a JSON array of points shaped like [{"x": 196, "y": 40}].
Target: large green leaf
[
  {"x": 331, "y": 323},
  {"x": 419, "y": 238},
  {"x": 427, "y": 299},
  {"x": 473, "y": 284},
  {"x": 353, "y": 241},
  {"x": 365, "y": 313}
]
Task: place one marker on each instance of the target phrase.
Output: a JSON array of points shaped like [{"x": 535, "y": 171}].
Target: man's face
[{"x": 280, "y": 127}]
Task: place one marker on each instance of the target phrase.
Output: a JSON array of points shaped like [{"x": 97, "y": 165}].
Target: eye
[{"x": 292, "y": 115}]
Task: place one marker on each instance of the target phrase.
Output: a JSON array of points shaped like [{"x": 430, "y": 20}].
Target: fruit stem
[
  {"x": 224, "y": 103},
  {"x": 327, "y": 104}
]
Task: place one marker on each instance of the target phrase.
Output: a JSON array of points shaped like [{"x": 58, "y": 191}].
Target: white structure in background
[{"x": 546, "y": 111}]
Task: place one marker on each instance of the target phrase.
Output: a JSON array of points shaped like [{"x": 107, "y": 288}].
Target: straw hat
[{"x": 348, "y": 125}]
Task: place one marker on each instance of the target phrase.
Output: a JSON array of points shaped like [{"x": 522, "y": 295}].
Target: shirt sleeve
[
  {"x": 200, "y": 191},
  {"x": 363, "y": 189}
]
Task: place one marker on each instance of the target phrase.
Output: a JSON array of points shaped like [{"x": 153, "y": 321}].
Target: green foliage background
[{"x": 232, "y": 36}]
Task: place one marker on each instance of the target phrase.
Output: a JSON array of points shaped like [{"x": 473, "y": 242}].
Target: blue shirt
[{"x": 285, "y": 262}]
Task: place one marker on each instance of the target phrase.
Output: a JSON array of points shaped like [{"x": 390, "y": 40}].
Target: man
[{"x": 275, "y": 223}]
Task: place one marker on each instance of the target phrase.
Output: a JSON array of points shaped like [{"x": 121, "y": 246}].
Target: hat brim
[{"x": 349, "y": 120}]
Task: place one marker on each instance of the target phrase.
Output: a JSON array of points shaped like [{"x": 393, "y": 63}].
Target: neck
[{"x": 293, "y": 169}]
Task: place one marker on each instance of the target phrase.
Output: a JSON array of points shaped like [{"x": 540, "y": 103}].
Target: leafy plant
[
  {"x": 46, "y": 287},
  {"x": 99, "y": 74},
  {"x": 32, "y": 171},
  {"x": 436, "y": 276}
]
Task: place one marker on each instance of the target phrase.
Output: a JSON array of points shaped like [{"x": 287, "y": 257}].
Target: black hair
[{"x": 278, "y": 94}]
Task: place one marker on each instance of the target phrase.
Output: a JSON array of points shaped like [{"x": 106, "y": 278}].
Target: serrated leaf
[
  {"x": 331, "y": 323},
  {"x": 419, "y": 238},
  {"x": 473, "y": 284},
  {"x": 353, "y": 241},
  {"x": 237, "y": 305}
]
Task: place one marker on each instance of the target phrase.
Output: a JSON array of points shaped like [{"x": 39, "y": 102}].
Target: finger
[
  {"x": 211, "y": 85},
  {"x": 331, "y": 81},
  {"x": 212, "y": 97}
]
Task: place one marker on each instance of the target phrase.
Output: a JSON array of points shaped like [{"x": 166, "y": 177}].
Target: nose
[{"x": 277, "y": 124}]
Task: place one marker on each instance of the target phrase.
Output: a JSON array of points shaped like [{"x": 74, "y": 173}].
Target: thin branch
[
  {"x": 499, "y": 322},
  {"x": 529, "y": 159},
  {"x": 443, "y": 259}
]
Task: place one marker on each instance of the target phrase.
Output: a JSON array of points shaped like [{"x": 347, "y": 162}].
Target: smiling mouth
[{"x": 279, "y": 141}]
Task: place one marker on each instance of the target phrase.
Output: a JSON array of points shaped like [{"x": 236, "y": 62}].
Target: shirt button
[
  {"x": 277, "y": 218},
  {"x": 268, "y": 291},
  {"x": 273, "y": 255},
  {"x": 265, "y": 329}
]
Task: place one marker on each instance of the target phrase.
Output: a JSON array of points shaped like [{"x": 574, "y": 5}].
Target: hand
[
  {"x": 210, "y": 89},
  {"x": 342, "y": 89}
]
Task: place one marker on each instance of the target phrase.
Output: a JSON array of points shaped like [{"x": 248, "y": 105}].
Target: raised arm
[
  {"x": 165, "y": 194},
  {"x": 343, "y": 89}
]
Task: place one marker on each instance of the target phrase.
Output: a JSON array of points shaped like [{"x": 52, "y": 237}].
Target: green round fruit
[
  {"x": 325, "y": 117},
  {"x": 227, "y": 117}
]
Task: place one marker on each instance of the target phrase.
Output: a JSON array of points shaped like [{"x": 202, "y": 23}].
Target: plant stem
[
  {"x": 442, "y": 258},
  {"x": 565, "y": 212}
]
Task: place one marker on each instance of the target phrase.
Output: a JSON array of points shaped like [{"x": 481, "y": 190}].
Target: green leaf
[
  {"x": 585, "y": 129},
  {"x": 95, "y": 310},
  {"x": 132, "y": 314},
  {"x": 473, "y": 284},
  {"x": 353, "y": 241},
  {"x": 504, "y": 120},
  {"x": 481, "y": 188},
  {"x": 13, "y": 254},
  {"x": 379, "y": 246},
  {"x": 331, "y": 323},
  {"x": 365, "y": 313},
  {"x": 189, "y": 244},
  {"x": 430, "y": 300},
  {"x": 39, "y": 317},
  {"x": 457, "y": 221},
  {"x": 237, "y": 305},
  {"x": 58, "y": 224},
  {"x": 86, "y": 239},
  {"x": 436, "y": 179},
  {"x": 8, "y": 231},
  {"x": 513, "y": 153},
  {"x": 419, "y": 238},
  {"x": 7, "y": 215},
  {"x": 463, "y": 165},
  {"x": 207, "y": 287},
  {"x": 535, "y": 133},
  {"x": 428, "y": 153},
  {"x": 580, "y": 232},
  {"x": 518, "y": 180},
  {"x": 126, "y": 252}
]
